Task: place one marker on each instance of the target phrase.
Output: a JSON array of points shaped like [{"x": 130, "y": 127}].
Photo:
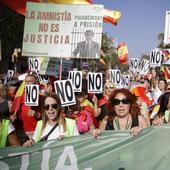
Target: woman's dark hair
[
  {"x": 134, "y": 108},
  {"x": 163, "y": 103}
]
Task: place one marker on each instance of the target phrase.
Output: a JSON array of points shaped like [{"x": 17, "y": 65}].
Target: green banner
[{"x": 110, "y": 151}]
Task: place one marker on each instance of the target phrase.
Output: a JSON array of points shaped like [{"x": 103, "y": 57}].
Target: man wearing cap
[{"x": 87, "y": 48}]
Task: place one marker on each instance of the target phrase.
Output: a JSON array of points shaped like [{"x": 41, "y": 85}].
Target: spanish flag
[
  {"x": 18, "y": 98},
  {"x": 19, "y": 6},
  {"x": 122, "y": 53},
  {"x": 111, "y": 16}
]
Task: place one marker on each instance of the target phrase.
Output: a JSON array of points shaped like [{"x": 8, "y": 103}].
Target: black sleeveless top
[{"x": 109, "y": 125}]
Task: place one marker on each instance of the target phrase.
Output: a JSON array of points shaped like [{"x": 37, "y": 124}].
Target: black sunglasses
[
  {"x": 117, "y": 101},
  {"x": 110, "y": 87},
  {"x": 53, "y": 106}
]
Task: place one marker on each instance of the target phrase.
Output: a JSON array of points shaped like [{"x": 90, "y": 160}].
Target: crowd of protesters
[{"x": 116, "y": 108}]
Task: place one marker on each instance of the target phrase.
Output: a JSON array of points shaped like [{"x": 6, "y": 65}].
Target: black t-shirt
[
  {"x": 4, "y": 109},
  {"x": 109, "y": 125}
]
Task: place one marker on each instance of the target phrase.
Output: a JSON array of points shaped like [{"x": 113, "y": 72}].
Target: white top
[
  {"x": 57, "y": 132},
  {"x": 10, "y": 128}
]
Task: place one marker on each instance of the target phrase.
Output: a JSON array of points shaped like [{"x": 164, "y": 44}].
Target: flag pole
[{"x": 60, "y": 69}]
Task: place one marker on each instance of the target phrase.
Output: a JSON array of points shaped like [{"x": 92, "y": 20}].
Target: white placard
[
  {"x": 56, "y": 30},
  {"x": 8, "y": 77},
  {"x": 115, "y": 76},
  {"x": 167, "y": 28},
  {"x": 134, "y": 62},
  {"x": 31, "y": 95},
  {"x": 64, "y": 89},
  {"x": 143, "y": 67},
  {"x": 76, "y": 78},
  {"x": 34, "y": 63},
  {"x": 95, "y": 82},
  {"x": 156, "y": 57}
]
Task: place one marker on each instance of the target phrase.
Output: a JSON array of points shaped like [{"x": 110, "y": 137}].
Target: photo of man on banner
[{"x": 87, "y": 48}]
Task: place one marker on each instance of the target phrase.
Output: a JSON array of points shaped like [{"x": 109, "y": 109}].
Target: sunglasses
[
  {"x": 110, "y": 87},
  {"x": 123, "y": 101},
  {"x": 53, "y": 106}
]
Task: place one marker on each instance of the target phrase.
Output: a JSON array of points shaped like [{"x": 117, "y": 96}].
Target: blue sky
[{"x": 140, "y": 24}]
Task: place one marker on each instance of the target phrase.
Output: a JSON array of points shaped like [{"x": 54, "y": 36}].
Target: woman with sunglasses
[
  {"x": 124, "y": 113},
  {"x": 53, "y": 125}
]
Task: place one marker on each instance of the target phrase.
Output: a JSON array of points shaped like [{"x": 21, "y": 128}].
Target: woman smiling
[{"x": 53, "y": 125}]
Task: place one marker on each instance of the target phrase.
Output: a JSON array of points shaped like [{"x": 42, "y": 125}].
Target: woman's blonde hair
[
  {"x": 2, "y": 91},
  {"x": 60, "y": 119}
]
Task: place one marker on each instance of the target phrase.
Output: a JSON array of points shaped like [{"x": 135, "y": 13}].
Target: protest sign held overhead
[
  {"x": 53, "y": 28},
  {"x": 134, "y": 62},
  {"x": 144, "y": 66},
  {"x": 95, "y": 82},
  {"x": 156, "y": 57},
  {"x": 31, "y": 95},
  {"x": 34, "y": 63},
  {"x": 125, "y": 80},
  {"x": 64, "y": 89},
  {"x": 76, "y": 78},
  {"x": 115, "y": 76}
]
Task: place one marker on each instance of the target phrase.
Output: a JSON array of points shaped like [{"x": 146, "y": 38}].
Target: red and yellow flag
[
  {"x": 111, "y": 16},
  {"x": 122, "y": 53},
  {"x": 18, "y": 98}
]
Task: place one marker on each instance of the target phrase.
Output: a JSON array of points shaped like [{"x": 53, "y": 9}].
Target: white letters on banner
[
  {"x": 125, "y": 80},
  {"x": 156, "y": 57},
  {"x": 34, "y": 64},
  {"x": 64, "y": 89},
  {"x": 144, "y": 66},
  {"x": 31, "y": 94},
  {"x": 67, "y": 153},
  {"x": 76, "y": 78},
  {"x": 95, "y": 82},
  {"x": 115, "y": 76}
]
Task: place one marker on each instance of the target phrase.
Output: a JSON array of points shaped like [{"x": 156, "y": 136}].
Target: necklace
[{"x": 117, "y": 124}]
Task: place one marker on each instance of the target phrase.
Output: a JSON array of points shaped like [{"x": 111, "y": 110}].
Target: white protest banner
[
  {"x": 76, "y": 78},
  {"x": 115, "y": 76},
  {"x": 54, "y": 30},
  {"x": 34, "y": 63},
  {"x": 31, "y": 95},
  {"x": 134, "y": 62},
  {"x": 156, "y": 57},
  {"x": 125, "y": 80},
  {"x": 64, "y": 89},
  {"x": 95, "y": 82},
  {"x": 8, "y": 77},
  {"x": 143, "y": 67},
  {"x": 167, "y": 28}
]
